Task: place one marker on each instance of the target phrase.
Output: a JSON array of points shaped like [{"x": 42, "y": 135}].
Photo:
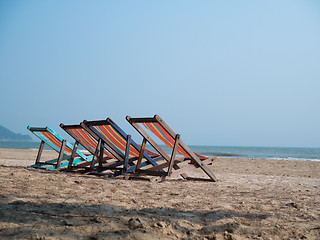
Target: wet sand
[{"x": 253, "y": 199}]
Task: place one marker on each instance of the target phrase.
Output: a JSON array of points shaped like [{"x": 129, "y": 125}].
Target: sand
[{"x": 253, "y": 199}]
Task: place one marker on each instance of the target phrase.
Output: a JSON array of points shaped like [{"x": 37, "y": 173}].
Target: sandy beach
[{"x": 253, "y": 199}]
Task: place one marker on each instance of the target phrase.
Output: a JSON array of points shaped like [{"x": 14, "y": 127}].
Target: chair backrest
[
  {"x": 161, "y": 130},
  {"x": 53, "y": 139},
  {"x": 116, "y": 138},
  {"x": 82, "y": 136}
]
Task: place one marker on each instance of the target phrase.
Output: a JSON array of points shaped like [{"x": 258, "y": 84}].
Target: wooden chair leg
[
  {"x": 73, "y": 154},
  {"x": 143, "y": 147},
  {"x": 198, "y": 162},
  {"x": 63, "y": 146},
  {"x": 95, "y": 156},
  {"x": 127, "y": 153},
  {"x": 40, "y": 152},
  {"x": 173, "y": 155},
  {"x": 100, "y": 157}
]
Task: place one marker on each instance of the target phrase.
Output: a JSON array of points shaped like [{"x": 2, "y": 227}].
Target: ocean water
[
  {"x": 277, "y": 153},
  {"x": 21, "y": 145}
]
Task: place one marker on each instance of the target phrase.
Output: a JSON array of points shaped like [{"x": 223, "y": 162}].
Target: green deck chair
[{"x": 56, "y": 142}]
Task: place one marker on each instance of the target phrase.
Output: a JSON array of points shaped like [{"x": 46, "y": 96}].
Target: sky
[{"x": 220, "y": 73}]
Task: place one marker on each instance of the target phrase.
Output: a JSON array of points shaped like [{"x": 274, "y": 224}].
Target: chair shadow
[{"x": 31, "y": 215}]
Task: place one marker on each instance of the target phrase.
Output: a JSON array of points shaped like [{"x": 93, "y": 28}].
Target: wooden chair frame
[
  {"x": 95, "y": 151},
  {"x": 124, "y": 160},
  {"x": 55, "y": 163},
  {"x": 173, "y": 169}
]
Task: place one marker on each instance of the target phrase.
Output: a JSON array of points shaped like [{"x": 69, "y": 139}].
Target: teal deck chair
[{"x": 60, "y": 145}]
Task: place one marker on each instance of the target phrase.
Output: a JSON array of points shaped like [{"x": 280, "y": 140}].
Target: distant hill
[{"x": 7, "y": 135}]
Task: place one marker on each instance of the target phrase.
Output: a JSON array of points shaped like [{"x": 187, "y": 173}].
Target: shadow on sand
[{"x": 48, "y": 219}]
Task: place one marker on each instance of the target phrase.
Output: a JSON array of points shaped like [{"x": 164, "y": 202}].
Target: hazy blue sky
[{"x": 244, "y": 73}]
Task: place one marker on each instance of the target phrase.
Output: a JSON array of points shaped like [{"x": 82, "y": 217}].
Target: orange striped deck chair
[
  {"x": 120, "y": 144},
  {"x": 82, "y": 137},
  {"x": 56, "y": 142},
  {"x": 169, "y": 138}
]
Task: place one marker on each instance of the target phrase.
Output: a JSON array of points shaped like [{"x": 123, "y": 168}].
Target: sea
[{"x": 272, "y": 153}]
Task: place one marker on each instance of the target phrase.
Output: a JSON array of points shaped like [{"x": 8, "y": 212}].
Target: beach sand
[{"x": 253, "y": 199}]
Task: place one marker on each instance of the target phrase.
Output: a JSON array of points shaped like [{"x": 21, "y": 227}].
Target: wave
[
  {"x": 221, "y": 154},
  {"x": 295, "y": 159}
]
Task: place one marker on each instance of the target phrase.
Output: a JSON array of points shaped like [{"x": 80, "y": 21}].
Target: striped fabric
[
  {"x": 117, "y": 140},
  {"x": 165, "y": 137},
  {"x": 86, "y": 137},
  {"x": 53, "y": 139}
]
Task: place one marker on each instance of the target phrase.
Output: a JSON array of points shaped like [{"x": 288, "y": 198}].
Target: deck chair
[
  {"x": 82, "y": 137},
  {"x": 172, "y": 140},
  {"x": 60, "y": 145},
  {"x": 120, "y": 145}
]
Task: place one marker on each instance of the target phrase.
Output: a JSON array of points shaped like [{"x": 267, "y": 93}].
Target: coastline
[
  {"x": 258, "y": 152},
  {"x": 254, "y": 198}
]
